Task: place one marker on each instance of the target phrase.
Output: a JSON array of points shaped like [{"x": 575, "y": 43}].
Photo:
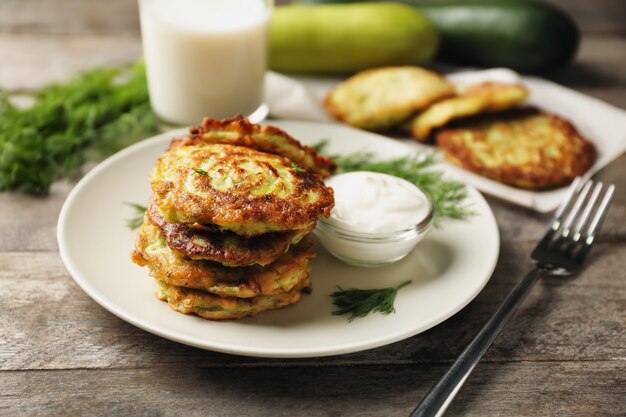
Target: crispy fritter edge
[
  {"x": 260, "y": 250},
  {"x": 307, "y": 159}
]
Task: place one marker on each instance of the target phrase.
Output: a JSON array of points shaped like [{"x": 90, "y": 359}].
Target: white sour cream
[
  {"x": 369, "y": 202},
  {"x": 377, "y": 218}
]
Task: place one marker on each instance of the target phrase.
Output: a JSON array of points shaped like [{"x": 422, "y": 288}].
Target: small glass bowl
[{"x": 373, "y": 249}]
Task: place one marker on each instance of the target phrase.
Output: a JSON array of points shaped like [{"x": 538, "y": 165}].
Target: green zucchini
[
  {"x": 335, "y": 39},
  {"x": 525, "y": 35}
]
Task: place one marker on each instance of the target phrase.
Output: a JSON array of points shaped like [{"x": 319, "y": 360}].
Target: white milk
[{"x": 204, "y": 57}]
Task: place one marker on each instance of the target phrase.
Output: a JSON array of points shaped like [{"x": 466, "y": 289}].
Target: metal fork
[{"x": 561, "y": 251}]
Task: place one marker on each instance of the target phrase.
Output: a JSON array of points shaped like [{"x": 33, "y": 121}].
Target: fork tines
[{"x": 579, "y": 218}]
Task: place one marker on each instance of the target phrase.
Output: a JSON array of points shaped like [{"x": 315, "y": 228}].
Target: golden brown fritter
[
  {"x": 384, "y": 97},
  {"x": 524, "y": 148},
  {"x": 270, "y": 139},
  {"x": 212, "y": 307},
  {"x": 228, "y": 248},
  {"x": 472, "y": 100},
  {"x": 166, "y": 265},
  {"x": 238, "y": 189}
]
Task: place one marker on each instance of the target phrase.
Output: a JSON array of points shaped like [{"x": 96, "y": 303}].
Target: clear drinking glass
[{"x": 205, "y": 58}]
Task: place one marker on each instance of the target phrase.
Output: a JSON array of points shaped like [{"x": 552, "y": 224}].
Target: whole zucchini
[
  {"x": 525, "y": 35},
  {"x": 332, "y": 39}
]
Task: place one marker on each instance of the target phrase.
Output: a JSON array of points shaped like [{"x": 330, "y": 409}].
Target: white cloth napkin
[{"x": 301, "y": 98}]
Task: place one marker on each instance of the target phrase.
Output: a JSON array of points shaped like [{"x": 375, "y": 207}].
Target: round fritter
[
  {"x": 525, "y": 148},
  {"x": 238, "y": 189},
  {"x": 227, "y": 248},
  {"x": 240, "y": 132},
  {"x": 213, "y": 307},
  {"x": 472, "y": 100},
  {"x": 381, "y": 98},
  {"x": 166, "y": 265}
]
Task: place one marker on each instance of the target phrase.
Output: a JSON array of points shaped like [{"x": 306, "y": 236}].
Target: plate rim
[{"x": 263, "y": 352}]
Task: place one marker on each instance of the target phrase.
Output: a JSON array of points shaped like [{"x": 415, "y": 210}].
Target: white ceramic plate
[{"x": 448, "y": 269}]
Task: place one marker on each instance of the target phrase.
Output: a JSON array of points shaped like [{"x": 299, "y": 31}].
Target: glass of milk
[{"x": 205, "y": 58}]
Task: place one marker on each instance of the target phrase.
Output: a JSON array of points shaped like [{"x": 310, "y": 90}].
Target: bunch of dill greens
[{"x": 86, "y": 119}]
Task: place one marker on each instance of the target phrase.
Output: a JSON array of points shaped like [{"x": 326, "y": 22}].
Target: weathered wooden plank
[
  {"x": 29, "y": 222},
  {"x": 106, "y": 16},
  {"x": 47, "y": 322},
  {"x": 69, "y": 16},
  {"x": 594, "y": 73},
  {"x": 597, "y": 16},
  {"x": 32, "y": 61},
  {"x": 519, "y": 389}
]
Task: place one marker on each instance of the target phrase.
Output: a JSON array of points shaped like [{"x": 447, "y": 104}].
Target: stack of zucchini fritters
[{"x": 226, "y": 233}]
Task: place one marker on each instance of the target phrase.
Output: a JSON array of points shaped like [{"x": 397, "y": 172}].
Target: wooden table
[{"x": 563, "y": 354}]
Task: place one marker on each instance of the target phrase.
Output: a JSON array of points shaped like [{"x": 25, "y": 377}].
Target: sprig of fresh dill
[
  {"x": 85, "y": 119},
  {"x": 201, "y": 172},
  {"x": 448, "y": 196},
  {"x": 359, "y": 303},
  {"x": 137, "y": 219},
  {"x": 296, "y": 168}
]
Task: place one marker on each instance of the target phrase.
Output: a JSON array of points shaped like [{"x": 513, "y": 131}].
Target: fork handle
[{"x": 442, "y": 393}]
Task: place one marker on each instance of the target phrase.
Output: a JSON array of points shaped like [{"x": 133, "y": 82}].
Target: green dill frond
[
  {"x": 202, "y": 172},
  {"x": 448, "y": 196},
  {"x": 88, "y": 118},
  {"x": 137, "y": 219},
  {"x": 296, "y": 168},
  {"x": 359, "y": 303},
  {"x": 320, "y": 146}
]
